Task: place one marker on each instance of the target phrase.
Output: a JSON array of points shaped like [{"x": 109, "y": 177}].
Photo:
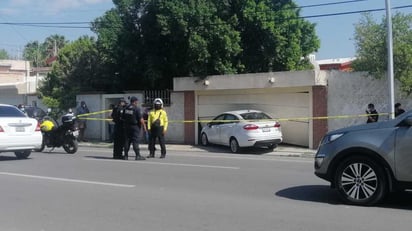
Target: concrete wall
[
  {"x": 350, "y": 93},
  {"x": 97, "y": 129}
]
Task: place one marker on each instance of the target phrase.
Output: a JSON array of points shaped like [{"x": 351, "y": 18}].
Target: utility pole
[{"x": 390, "y": 60}]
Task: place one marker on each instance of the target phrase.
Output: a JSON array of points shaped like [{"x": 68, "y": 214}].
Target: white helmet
[{"x": 158, "y": 101}]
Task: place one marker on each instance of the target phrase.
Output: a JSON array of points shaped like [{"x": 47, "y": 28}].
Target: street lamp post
[{"x": 390, "y": 59}]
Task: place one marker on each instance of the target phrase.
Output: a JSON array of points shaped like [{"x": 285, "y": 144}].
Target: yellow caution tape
[{"x": 208, "y": 121}]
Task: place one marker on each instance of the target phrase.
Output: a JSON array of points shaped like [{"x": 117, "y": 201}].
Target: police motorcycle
[{"x": 64, "y": 135}]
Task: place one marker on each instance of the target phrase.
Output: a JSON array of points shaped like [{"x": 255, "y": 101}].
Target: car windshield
[
  {"x": 8, "y": 111},
  {"x": 255, "y": 116}
]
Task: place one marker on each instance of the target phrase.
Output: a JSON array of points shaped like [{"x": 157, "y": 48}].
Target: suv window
[{"x": 9, "y": 111}]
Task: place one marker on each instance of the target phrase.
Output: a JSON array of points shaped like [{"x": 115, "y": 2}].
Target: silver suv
[{"x": 365, "y": 162}]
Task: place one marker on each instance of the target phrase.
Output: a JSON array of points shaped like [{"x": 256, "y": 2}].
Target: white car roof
[{"x": 238, "y": 112}]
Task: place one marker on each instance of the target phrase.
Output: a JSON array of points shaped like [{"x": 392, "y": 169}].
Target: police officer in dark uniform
[
  {"x": 118, "y": 136},
  {"x": 133, "y": 123}
]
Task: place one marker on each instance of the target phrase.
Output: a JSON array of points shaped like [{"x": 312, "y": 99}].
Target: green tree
[
  {"x": 371, "y": 48},
  {"x": 4, "y": 54},
  {"x": 38, "y": 53},
  {"x": 76, "y": 71},
  {"x": 53, "y": 44},
  {"x": 33, "y": 51},
  {"x": 274, "y": 38},
  {"x": 153, "y": 41}
]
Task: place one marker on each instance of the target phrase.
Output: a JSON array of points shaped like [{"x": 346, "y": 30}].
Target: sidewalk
[{"x": 282, "y": 150}]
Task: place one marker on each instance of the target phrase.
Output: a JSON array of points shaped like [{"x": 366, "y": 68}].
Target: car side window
[
  {"x": 230, "y": 119},
  {"x": 218, "y": 120}
]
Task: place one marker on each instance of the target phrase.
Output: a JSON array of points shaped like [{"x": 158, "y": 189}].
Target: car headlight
[{"x": 331, "y": 138}]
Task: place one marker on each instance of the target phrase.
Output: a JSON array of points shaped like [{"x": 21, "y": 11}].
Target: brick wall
[
  {"x": 320, "y": 109},
  {"x": 189, "y": 114}
]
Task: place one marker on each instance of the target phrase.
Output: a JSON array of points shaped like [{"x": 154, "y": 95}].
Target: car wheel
[
  {"x": 234, "y": 145},
  {"x": 22, "y": 154},
  {"x": 204, "y": 139},
  {"x": 361, "y": 181}
]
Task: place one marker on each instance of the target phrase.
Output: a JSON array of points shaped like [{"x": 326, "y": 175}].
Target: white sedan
[
  {"x": 18, "y": 133},
  {"x": 244, "y": 128}
]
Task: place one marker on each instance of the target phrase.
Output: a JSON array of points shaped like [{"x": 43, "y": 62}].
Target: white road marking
[
  {"x": 68, "y": 180},
  {"x": 165, "y": 163}
]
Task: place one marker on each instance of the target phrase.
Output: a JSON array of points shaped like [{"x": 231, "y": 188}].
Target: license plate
[
  {"x": 266, "y": 129},
  {"x": 75, "y": 133},
  {"x": 20, "y": 129}
]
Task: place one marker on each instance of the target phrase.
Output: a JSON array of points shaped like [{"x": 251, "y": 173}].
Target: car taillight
[
  {"x": 250, "y": 127},
  {"x": 38, "y": 127},
  {"x": 277, "y": 125},
  {"x": 1, "y": 129}
]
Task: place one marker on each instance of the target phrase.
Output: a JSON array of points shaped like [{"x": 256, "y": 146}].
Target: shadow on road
[
  {"x": 313, "y": 193},
  {"x": 324, "y": 194},
  {"x": 104, "y": 157},
  {"x": 215, "y": 148},
  {"x": 9, "y": 158}
]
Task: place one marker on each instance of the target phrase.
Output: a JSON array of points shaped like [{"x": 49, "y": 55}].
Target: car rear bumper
[
  {"x": 267, "y": 142},
  {"x": 17, "y": 143}
]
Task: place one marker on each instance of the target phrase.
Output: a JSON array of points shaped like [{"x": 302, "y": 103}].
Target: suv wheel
[{"x": 360, "y": 181}]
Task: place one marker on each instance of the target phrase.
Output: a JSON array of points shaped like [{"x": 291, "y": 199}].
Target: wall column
[
  {"x": 320, "y": 109},
  {"x": 189, "y": 114}
]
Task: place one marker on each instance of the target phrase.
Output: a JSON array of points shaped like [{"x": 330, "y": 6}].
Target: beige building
[{"x": 16, "y": 84}]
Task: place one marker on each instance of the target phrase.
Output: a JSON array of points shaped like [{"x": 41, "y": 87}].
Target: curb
[{"x": 283, "y": 150}]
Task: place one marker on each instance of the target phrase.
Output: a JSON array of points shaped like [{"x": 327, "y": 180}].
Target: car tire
[
  {"x": 204, "y": 140},
  {"x": 24, "y": 154},
  {"x": 361, "y": 181},
  {"x": 234, "y": 145}
]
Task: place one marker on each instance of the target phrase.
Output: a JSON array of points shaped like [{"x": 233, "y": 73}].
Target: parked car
[
  {"x": 244, "y": 128},
  {"x": 365, "y": 162},
  {"x": 18, "y": 133}
]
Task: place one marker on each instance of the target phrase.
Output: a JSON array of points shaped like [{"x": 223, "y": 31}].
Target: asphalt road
[{"x": 193, "y": 191}]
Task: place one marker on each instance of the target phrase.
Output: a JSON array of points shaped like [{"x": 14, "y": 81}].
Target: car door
[
  {"x": 214, "y": 129},
  {"x": 403, "y": 154},
  {"x": 227, "y": 128}
]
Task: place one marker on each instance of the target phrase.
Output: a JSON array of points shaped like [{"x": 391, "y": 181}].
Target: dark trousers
[
  {"x": 118, "y": 141},
  {"x": 132, "y": 136},
  {"x": 111, "y": 132},
  {"x": 157, "y": 133},
  {"x": 82, "y": 128}
]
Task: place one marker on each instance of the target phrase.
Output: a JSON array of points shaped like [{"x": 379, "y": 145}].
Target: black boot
[{"x": 139, "y": 157}]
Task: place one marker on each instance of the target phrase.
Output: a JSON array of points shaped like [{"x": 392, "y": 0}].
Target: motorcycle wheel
[{"x": 71, "y": 146}]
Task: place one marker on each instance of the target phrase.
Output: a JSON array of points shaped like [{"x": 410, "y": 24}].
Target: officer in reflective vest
[
  {"x": 133, "y": 123},
  {"x": 157, "y": 126}
]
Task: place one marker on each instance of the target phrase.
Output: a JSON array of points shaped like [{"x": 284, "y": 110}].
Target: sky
[{"x": 335, "y": 32}]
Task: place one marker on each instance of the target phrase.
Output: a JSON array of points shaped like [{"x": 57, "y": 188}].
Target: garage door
[{"x": 287, "y": 106}]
